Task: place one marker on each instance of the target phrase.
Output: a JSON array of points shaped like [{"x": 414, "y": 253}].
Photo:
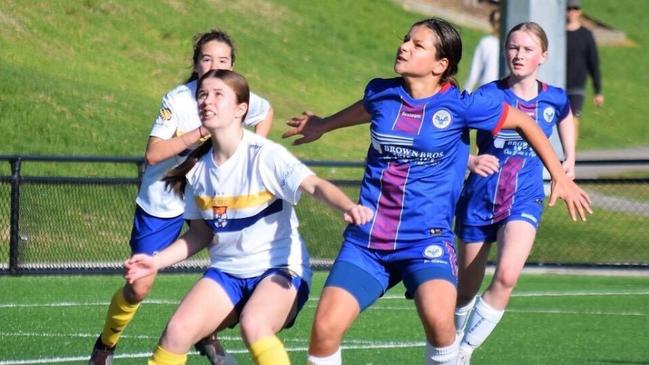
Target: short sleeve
[
  {"x": 258, "y": 108},
  {"x": 486, "y": 110},
  {"x": 166, "y": 124},
  {"x": 283, "y": 173},
  {"x": 191, "y": 209},
  {"x": 564, "y": 106}
]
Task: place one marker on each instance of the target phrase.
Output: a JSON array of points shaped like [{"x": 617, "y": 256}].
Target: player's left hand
[
  {"x": 598, "y": 100},
  {"x": 577, "y": 201}
]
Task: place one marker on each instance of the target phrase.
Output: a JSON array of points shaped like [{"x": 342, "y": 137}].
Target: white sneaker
[{"x": 464, "y": 357}]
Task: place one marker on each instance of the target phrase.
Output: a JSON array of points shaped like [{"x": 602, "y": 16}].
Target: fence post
[{"x": 14, "y": 227}]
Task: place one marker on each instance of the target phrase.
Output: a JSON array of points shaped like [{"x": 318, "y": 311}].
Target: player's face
[
  {"x": 417, "y": 55},
  {"x": 217, "y": 104},
  {"x": 524, "y": 54},
  {"x": 214, "y": 55}
]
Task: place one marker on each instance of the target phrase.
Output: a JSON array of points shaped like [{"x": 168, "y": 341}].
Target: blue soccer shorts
[
  {"x": 151, "y": 234},
  {"x": 368, "y": 273},
  {"x": 239, "y": 290}
]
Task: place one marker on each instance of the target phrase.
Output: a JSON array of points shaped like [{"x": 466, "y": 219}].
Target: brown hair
[
  {"x": 533, "y": 28},
  {"x": 199, "y": 41},
  {"x": 175, "y": 179},
  {"x": 449, "y": 45}
]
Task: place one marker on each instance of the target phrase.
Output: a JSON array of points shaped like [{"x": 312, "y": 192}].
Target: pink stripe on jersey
[
  {"x": 507, "y": 186},
  {"x": 409, "y": 118},
  {"x": 383, "y": 235}
]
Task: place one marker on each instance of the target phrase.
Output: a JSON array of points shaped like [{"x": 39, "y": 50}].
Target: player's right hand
[
  {"x": 138, "y": 267},
  {"x": 308, "y": 125}
]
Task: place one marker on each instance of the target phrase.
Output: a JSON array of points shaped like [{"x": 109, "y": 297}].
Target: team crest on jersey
[
  {"x": 548, "y": 114},
  {"x": 165, "y": 114},
  {"x": 442, "y": 119},
  {"x": 433, "y": 251},
  {"x": 220, "y": 216}
]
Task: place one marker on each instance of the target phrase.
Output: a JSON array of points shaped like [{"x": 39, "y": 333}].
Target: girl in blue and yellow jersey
[
  {"x": 240, "y": 190},
  {"x": 158, "y": 218},
  {"x": 503, "y": 203},
  {"x": 419, "y": 124}
]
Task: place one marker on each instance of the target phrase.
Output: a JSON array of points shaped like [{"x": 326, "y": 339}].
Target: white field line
[
  {"x": 388, "y": 297},
  {"x": 142, "y": 355}
]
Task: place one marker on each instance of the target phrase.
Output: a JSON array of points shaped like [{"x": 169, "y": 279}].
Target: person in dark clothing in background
[{"x": 582, "y": 60}]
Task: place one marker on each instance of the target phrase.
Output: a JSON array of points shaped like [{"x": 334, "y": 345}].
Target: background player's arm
[
  {"x": 567, "y": 134},
  {"x": 158, "y": 149},
  {"x": 263, "y": 128},
  {"x": 311, "y": 127}
]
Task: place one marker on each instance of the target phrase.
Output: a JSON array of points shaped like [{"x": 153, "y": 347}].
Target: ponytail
[{"x": 175, "y": 179}]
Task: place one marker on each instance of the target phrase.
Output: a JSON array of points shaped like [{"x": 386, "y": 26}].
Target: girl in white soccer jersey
[
  {"x": 415, "y": 168},
  {"x": 504, "y": 203},
  {"x": 240, "y": 190},
  {"x": 158, "y": 215}
]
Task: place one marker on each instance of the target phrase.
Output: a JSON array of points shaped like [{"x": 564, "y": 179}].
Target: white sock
[
  {"x": 482, "y": 322},
  {"x": 462, "y": 315},
  {"x": 442, "y": 355},
  {"x": 333, "y": 359}
]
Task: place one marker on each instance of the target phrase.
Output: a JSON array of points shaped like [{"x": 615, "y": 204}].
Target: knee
[
  {"x": 136, "y": 294},
  {"x": 254, "y": 327},
  {"x": 326, "y": 331},
  {"x": 176, "y": 335},
  {"x": 506, "y": 278}
]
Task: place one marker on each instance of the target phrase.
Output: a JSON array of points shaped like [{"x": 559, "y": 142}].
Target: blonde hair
[{"x": 533, "y": 28}]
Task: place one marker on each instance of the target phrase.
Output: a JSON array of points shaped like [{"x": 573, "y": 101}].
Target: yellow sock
[
  {"x": 269, "y": 351},
  {"x": 120, "y": 313},
  {"x": 163, "y": 357}
]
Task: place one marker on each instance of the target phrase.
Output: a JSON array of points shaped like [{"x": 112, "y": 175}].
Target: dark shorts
[
  {"x": 576, "y": 104},
  {"x": 151, "y": 234},
  {"x": 239, "y": 290},
  {"x": 368, "y": 273}
]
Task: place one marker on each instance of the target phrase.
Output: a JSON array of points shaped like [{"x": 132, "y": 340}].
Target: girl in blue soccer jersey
[
  {"x": 504, "y": 204},
  {"x": 416, "y": 162},
  {"x": 158, "y": 216},
  {"x": 240, "y": 190}
]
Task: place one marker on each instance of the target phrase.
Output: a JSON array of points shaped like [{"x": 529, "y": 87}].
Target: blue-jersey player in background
[{"x": 503, "y": 197}]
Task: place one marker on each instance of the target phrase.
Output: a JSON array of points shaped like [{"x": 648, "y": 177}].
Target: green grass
[
  {"x": 552, "y": 319},
  {"x": 86, "y": 77}
]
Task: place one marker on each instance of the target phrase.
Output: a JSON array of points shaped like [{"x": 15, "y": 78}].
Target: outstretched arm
[
  {"x": 577, "y": 201},
  {"x": 311, "y": 127},
  {"x": 327, "y": 192},
  {"x": 141, "y": 265}
]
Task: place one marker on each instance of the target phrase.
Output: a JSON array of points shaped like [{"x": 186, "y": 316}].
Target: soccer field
[{"x": 552, "y": 319}]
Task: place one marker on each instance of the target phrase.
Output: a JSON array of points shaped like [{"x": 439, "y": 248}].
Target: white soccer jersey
[
  {"x": 179, "y": 115},
  {"x": 248, "y": 201}
]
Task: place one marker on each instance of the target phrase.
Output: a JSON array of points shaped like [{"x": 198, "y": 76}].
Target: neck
[
  {"x": 525, "y": 88},
  {"x": 573, "y": 25},
  {"x": 225, "y": 142},
  {"x": 422, "y": 87}
]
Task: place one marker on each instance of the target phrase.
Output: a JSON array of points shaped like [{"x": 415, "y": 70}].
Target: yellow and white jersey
[
  {"x": 248, "y": 201},
  {"x": 178, "y": 115}
]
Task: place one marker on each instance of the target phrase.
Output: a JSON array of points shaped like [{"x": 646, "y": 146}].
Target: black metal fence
[{"x": 74, "y": 215}]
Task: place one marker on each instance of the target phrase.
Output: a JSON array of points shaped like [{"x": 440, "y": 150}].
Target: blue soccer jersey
[
  {"x": 417, "y": 160},
  {"x": 519, "y": 180}
]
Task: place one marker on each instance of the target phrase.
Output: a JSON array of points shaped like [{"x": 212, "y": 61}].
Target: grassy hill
[{"x": 86, "y": 77}]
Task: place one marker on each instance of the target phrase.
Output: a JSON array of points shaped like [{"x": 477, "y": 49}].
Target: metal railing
[{"x": 57, "y": 223}]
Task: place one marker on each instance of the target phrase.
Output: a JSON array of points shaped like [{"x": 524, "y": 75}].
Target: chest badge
[
  {"x": 220, "y": 215},
  {"x": 442, "y": 119},
  {"x": 548, "y": 114}
]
